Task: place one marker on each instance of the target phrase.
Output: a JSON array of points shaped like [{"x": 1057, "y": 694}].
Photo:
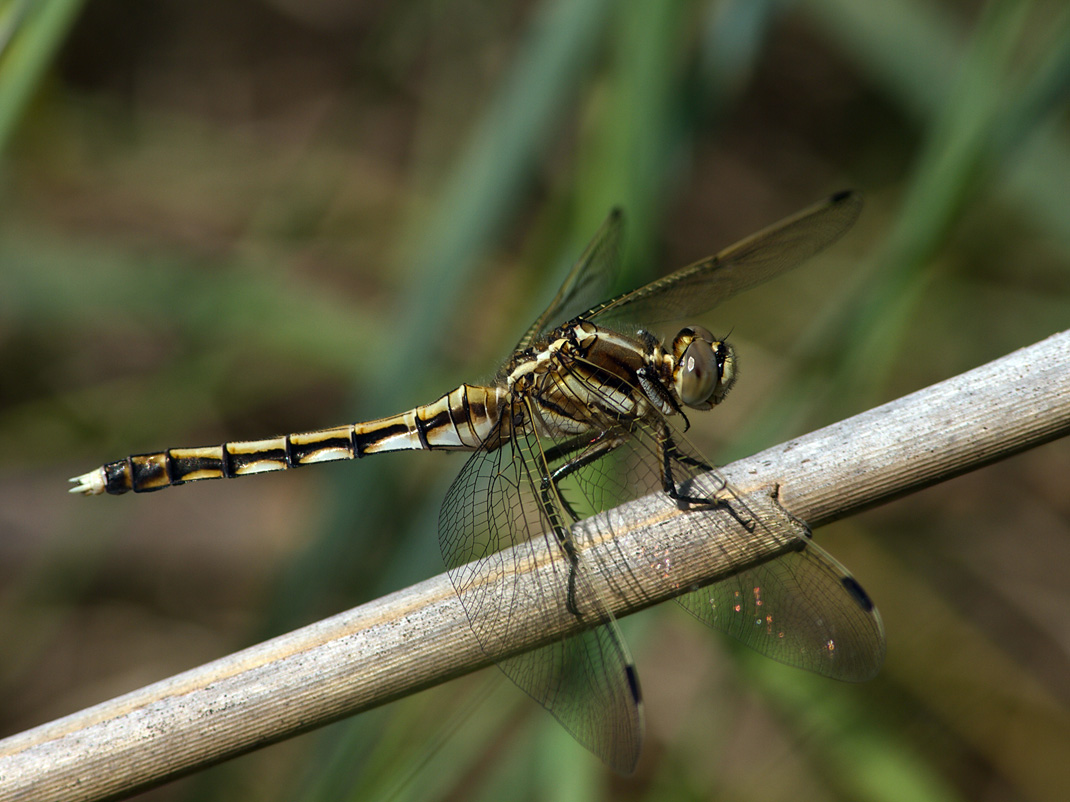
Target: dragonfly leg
[
  {"x": 594, "y": 450},
  {"x": 598, "y": 447},
  {"x": 656, "y": 391},
  {"x": 669, "y": 452},
  {"x": 547, "y": 488}
]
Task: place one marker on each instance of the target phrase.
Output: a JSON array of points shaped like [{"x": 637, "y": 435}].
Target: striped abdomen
[{"x": 462, "y": 420}]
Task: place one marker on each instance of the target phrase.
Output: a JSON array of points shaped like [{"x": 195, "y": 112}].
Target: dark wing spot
[
  {"x": 633, "y": 683},
  {"x": 857, "y": 593}
]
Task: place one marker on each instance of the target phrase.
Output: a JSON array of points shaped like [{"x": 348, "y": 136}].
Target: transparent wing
[
  {"x": 704, "y": 284},
  {"x": 588, "y": 281},
  {"x": 493, "y": 523},
  {"x": 511, "y": 504},
  {"x": 802, "y": 608}
]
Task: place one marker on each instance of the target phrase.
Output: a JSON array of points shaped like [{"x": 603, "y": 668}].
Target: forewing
[
  {"x": 587, "y": 283},
  {"x": 493, "y": 525},
  {"x": 802, "y": 608},
  {"x": 760, "y": 257}
]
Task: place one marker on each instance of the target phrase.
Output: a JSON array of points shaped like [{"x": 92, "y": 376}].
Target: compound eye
[
  {"x": 698, "y": 374},
  {"x": 699, "y": 333}
]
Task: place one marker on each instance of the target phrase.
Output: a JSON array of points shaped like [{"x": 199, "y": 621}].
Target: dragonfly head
[{"x": 705, "y": 367}]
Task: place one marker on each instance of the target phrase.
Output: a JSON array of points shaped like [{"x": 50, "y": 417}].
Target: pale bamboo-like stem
[{"x": 419, "y": 636}]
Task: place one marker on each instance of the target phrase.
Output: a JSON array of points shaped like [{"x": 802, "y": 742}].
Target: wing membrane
[
  {"x": 587, "y": 282},
  {"x": 760, "y": 257},
  {"x": 519, "y": 500},
  {"x": 494, "y": 522},
  {"x": 802, "y": 608}
]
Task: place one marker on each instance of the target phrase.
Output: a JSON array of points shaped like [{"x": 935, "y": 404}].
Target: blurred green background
[{"x": 225, "y": 221}]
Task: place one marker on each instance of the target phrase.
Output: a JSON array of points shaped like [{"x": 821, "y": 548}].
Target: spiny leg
[
  {"x": 550, "y": 499},
  {"x": 669, "y": 451},
  {"x": 599, "y": 447},
  {"x": 564, "y": 539}
]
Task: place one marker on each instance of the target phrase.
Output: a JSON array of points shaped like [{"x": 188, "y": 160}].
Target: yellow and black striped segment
[{"x": 461, "y": 420}]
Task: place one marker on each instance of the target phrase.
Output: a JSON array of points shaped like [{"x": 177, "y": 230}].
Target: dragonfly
[{"x": 588, "y": 412}]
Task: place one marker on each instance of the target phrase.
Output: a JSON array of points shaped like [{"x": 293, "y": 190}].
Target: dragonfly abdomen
[
  {"x": 461, "y": 420},
  {"x": 458, "y": 421}
]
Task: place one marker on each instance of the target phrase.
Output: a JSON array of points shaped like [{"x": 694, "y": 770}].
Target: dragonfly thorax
[{"x": 704, "y": 369}]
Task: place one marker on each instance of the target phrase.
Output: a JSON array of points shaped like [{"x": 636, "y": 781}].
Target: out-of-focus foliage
[{"x": 237, "y": 219}]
